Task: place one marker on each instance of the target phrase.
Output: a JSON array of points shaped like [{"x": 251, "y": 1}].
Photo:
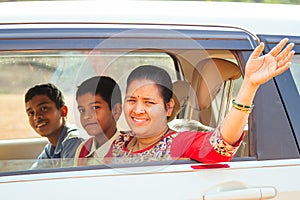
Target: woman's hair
[
  {"x": 49, "y": 90},
  {"x": 157, "y": 75},
  {"x": 103, "y": 86}
]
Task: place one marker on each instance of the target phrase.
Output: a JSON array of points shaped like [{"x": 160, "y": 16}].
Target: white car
[{"x": 67, "y": 42}]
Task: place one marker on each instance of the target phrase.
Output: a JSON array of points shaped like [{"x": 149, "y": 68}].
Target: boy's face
[
  {"x": 44, "y": 117},
  {"x": 95, "y": 116}
]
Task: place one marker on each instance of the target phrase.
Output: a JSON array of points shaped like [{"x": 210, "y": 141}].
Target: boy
[
  {"x": 100, "y": 106},
  {"x": 47, "y": 115}
]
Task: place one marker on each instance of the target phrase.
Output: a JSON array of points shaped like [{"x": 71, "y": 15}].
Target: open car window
[{"x": 67, "y": 69}]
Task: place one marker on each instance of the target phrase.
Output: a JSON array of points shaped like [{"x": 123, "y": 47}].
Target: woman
[{"x": 148, "y": 104}]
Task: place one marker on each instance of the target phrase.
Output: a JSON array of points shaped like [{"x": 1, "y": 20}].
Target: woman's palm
[{"x": 260, "y": 69}]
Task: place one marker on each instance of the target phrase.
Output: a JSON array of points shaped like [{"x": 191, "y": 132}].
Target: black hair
[
  {"x": 49, "y": 90},
  {"x": 157, "y": 75},
  {"x": 103, "y": 86}
]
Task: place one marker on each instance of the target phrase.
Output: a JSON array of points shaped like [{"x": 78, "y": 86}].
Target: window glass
[
  {"x": 19, "y": 71},
  {"x": 295, "y": 70},
  {"x": 66, "y": 69}
]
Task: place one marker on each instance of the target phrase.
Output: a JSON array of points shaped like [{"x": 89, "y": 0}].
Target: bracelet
[{"x": 241, "y": 107}]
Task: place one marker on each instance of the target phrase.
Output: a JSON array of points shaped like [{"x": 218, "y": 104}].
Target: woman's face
[{"x": 144, "y": 108}]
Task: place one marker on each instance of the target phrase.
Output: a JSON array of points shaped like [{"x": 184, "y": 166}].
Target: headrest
[
  {"x": 207, "y": 79},
  {"x": 210, "y": 74},
  {"x": 179, "y": 96},
  {"x": 183, "y": 94}
]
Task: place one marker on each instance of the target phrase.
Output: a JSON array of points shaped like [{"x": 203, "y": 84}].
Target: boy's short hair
[
  {"x": 49, "y": 90},
  {"x": 104, "y": 86}
]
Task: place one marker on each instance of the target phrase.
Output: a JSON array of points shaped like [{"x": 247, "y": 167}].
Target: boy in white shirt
[{"x": 100, "y": 106}]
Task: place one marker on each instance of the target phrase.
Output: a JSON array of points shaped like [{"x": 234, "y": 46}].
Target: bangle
[{"x": 244, "y": 108}]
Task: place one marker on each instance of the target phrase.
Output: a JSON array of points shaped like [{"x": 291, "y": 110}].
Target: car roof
[{"x": 274, "y": 19}]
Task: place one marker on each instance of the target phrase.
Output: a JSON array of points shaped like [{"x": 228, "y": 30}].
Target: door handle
[{"x": 243, "y": 194}]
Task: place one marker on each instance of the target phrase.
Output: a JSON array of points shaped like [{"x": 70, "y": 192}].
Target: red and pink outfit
[{"x": 206, "y": 147}]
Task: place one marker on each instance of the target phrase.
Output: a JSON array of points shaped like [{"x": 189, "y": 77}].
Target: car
[{"x": 204, "y": 46}]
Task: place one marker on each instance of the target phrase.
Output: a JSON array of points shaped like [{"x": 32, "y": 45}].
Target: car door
[{"x": 268, "y": 167}]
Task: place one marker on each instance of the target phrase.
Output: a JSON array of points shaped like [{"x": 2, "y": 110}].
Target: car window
[{"x": 67, "y": 69}]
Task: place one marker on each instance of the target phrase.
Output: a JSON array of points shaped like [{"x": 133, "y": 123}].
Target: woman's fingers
[
  {"x": 283, "y": 68},
  {"x": 276, "y": 50},
  {"x": 286, "y": 59},
  {"x": 285, "y": 53},
  {"x": 283, "y": 57},
  {"x": 257, "y": 51}
]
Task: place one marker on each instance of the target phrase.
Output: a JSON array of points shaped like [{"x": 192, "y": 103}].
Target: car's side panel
[{"x": 163, "y": 182}]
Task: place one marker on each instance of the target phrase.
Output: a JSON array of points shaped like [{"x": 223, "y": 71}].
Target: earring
[{"x": 168, "y": 114}]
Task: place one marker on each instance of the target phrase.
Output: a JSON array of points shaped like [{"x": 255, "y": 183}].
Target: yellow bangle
[{"x": 244, "y": 108}]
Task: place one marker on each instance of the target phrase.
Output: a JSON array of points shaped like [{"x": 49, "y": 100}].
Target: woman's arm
[{"x": 259, "y": 70}]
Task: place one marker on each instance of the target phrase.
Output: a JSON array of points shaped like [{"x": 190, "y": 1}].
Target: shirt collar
[{"x": 103, "y": 149}]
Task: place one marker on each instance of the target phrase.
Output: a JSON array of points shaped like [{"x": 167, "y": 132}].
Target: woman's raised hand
[{"x": 260, "y": 69}]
